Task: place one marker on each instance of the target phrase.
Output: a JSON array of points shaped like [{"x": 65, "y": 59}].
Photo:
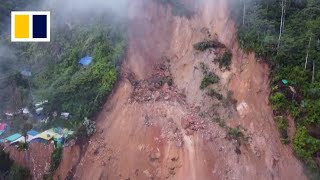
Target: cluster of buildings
[{"x": 54, "y": 134}]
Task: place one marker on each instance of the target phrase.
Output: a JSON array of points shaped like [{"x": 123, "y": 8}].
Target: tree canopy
[{"x": 294, "y": 56}]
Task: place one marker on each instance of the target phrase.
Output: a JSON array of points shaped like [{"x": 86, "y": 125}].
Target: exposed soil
[
  {"x": 36, "y": 158},
  {"x": 158, "y": 124},
  {"x": 70, "y": 158}
]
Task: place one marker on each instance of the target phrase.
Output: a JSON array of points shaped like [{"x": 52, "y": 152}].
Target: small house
[
  {"x": 39, "y": 110},
  {"x": 22, "y": 139},
  {"x": 57, "y": 134},
  {"x": 41, "y": 103},
  {"x": 13, "y": 137},
  {"x": 31, "y": 134},
  {"x": 65, "y": 115},
  {"x": 44, "y": 137}
]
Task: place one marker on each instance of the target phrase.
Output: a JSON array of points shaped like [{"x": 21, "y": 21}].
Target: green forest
[
  {"x": 57, "y": 75},
  {"x": 286, "y": 35},
  {"x": 68, "y": 86}
]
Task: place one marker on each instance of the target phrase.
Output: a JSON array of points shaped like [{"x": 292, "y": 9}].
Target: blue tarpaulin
[{"x": 85, "y": 61}]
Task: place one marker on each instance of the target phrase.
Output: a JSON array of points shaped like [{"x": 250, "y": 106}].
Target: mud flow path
[{"x": 158, "y": 123}]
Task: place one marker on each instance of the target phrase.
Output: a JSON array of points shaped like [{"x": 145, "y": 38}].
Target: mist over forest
[{"x": 78, "y": 29}]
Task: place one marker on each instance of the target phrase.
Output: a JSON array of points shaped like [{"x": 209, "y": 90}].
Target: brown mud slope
[
  {"x": 37, "y": 158},
  {"x": 70, "y": 158},
  {"x": 158, "y": 123}
]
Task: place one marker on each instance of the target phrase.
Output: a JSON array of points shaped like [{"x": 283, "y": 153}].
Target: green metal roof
[
  {"x": 13, "y": 137},
  {"x": 284, "y": 81}
]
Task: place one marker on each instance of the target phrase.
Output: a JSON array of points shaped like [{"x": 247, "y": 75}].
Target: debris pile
[
  {"x": 191, "y": 124},
  {"x": 173, "y": 133},
  {"x": 159, "y": 86}
]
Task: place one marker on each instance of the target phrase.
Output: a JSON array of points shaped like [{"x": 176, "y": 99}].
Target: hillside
[
  {"x": 293, "y": 56},
  {"x": 56, "y": 75},
  {"x": 173, "y": 89},
  {"x": 152, "y": 128},
  {"x": 55, "y": 79}
]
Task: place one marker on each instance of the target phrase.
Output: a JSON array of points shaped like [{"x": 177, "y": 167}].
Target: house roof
[
  {"x": 13, "y": 137},
  {"x": 21, "y": 139},
  {"x": 85, "y": 61},
  {"x": 32, "y": 133},
  {"x": 3, "y": 126},
  {"x": 46, "y": 135},
  {"x": 53, "y": 133}
]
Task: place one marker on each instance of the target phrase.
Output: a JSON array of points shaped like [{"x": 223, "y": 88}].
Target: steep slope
[
  {"x": 150, "y": 129},
  {"x": 36, "y": 159}
]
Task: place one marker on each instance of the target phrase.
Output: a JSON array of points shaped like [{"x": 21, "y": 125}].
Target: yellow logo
[{"x": 30, "y": 26}]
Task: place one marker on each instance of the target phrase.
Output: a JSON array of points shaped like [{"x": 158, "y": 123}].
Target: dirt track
[{"x": 152, "y": 131}]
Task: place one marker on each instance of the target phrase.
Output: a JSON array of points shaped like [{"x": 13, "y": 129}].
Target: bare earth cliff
[{"x": 157, "y": 123}]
